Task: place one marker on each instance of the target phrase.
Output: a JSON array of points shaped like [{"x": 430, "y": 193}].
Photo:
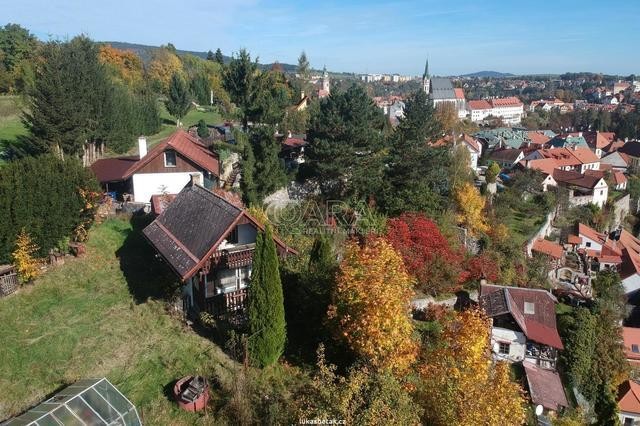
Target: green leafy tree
[
  {"x": 492, "y": 172},
  {"x": 267, "y": 327},
  {"x": 606, "y": 406},
  {"x": 267, "y": 166},
  {"x": 345, "y": 152},
  {"x": 416, "y": 175},
  {"x": 218, "y": 56},
  {"x": 199, "y": 87},
  {"x": 17, "y": 52},
  {"x": 178, "y": 102}
]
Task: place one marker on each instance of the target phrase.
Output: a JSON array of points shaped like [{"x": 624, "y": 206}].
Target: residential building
[
  {"x": 507, "y": 157},
  {"x": 568, "y": 159},
  {"x": 166, "y": 169},
  {"x": 208, "y": 241},
  {"x": 510, "y": 109},
  {"x": 629, "y": 403},
  {"x": 618, "y": 160},
  {"x": 523, "y": 324},
  {"x": 632, "y": 150},
  {"x": 545, "y": 389},
  {"x": 472, "y": 144},
  {"x": 631, "y": 341}
]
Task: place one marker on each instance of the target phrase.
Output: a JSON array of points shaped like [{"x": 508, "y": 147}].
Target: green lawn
[
  {"x": 10, "y": 124},
  {"x": 95, "y": 317},
  {"x": 523, "y": 223},
  {"x": 169, "y": 124}
]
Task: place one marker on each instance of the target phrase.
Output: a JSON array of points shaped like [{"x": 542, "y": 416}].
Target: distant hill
[
  {"x": 493, "y": 74},
  {"x": 145, "y": 52}
]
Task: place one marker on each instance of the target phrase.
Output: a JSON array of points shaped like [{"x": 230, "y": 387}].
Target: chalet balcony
[
  {"x": 230, "y": 306},
  {"x": 235, "y": 256},
  {"x": 542, "y": 355}
]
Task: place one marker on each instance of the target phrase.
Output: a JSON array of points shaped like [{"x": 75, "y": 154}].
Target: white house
[
  {"x": 166, "y": 169},
  {"x": 629, "y": 403},
  {"x": 510, "y": 109}
]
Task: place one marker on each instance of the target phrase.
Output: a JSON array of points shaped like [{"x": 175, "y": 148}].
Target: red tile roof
[
  {"x": 569, "y": 157},
  {"x": 459, "y": 93},
  {"x": 538, "y": 138},
  {"x": 479, "y": 104},
  {"x": 631, "y": 253},
  {"x": 294, "y": 142},
  {"x": 619, "y": 178},
  {"x": 591, "y": 233},
  {"x": 509, "y": 101},
  {"x": 545, "y": 387},
  {"x": 545, "y": 165},
  {"x": 631, "y": 337},
  {"x": 574, "y": 239},
  {"x": 187, "y": 145},
  {"x": 159, "y": 202},
  {"x": 548, "y": 247},
  {"x": 586, "y": 181},
  {"x": 539, "y": 326},
  {"x": 629, "y": 397}
]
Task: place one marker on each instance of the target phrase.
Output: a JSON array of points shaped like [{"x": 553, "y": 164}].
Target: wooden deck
[{"x": 229, "y": 306}]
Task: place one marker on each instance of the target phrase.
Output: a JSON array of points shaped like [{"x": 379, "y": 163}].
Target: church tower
[
  {"x": 426, "y": 80},
  {"x": 325, "y": 81}
]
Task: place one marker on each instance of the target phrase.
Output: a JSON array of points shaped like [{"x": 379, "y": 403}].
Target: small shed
[{"x": 87, "y": 402}]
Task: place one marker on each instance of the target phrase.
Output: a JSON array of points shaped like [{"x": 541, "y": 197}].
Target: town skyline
[{"x": 364, "y": 37}]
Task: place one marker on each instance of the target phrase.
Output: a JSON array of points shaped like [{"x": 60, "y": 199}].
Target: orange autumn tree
[
  {"x": 460, "y": 383},
  {"x": 371, "y": 304},
  {"x": 24, "y": 257},
  {"x": 125, "y": 63},
  {"x": 471, "y": 209}
]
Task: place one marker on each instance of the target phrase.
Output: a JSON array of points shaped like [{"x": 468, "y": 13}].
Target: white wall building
[{"x": 510, "y": 109}]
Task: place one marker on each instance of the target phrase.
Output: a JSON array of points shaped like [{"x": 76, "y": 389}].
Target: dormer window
[
  {"x": 170, "y": 159},
  {"x": 529, "y": 308}
]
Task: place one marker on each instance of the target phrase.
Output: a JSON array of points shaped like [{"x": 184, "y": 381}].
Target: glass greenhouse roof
[{"x": 94, "y": 402}]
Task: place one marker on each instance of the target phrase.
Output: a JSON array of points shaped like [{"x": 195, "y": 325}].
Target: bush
[{"x": 47, "y": 197}]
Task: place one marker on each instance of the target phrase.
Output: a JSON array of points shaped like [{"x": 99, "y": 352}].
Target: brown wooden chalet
[
  {"x": 208, "y": 241},
  {"x": 167, "y": 168}
]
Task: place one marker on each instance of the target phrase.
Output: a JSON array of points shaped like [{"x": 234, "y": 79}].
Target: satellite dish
[{"x": 539, "y": 410}]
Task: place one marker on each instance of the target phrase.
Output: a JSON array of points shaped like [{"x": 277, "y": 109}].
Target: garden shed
[{"x": 87, "y": 402}]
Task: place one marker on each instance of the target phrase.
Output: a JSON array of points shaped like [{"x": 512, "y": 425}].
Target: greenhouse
[{"x": 87, "y": 402}]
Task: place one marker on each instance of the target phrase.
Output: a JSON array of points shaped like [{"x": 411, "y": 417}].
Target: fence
[{"x": 8, "y": 284}]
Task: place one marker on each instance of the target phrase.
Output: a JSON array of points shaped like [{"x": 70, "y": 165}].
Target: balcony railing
[
  {"x": 233, "y": 257},
  {"x": 227, "y": 305}
]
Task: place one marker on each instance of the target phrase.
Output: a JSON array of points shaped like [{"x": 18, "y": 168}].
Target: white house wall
[
  {"x": 147, "y": 184},
  {"x": 631, "y": 283},
  {"x": 517, "y": 344}
]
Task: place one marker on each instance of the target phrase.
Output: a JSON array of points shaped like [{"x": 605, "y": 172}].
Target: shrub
[{"x": 23, "y": 257}]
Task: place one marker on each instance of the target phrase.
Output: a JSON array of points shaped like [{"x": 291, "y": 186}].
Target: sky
[{"x": 364, "y": 36}]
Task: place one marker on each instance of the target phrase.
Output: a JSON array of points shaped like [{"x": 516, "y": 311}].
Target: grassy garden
[
  {"x": 98, "y": 316},
  {"x": 11, "y": 126}
]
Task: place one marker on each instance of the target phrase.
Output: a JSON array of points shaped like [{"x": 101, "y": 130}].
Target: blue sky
[{"x": 365, "y": 36}]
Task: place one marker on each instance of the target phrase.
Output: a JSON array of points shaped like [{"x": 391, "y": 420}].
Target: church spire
[{"x": 426, "y": 69}]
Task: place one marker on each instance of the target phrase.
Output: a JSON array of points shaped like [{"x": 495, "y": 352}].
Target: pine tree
[
  {"x": 240, "y": 82},
  {"x": 345, "y": 152},
  {"x": 247, "y": 181},
  {"x": 416, "y": 176},
  {"x": 24, "y": 257},
  {"x": 178, "y": 102},
  {"x": 268, "y": 165},
  {"x": 210, "y": 56},
  {"x": 218, "y": 56},
  {"x": 203, "y": 130},
  {"x": 303, "y": 66},
  {"x": 267, "y": 327}
]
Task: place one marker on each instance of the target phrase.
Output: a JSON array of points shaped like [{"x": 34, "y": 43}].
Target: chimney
[
  {"x": 579, "y": 134},
  {"x": 301, "y": 94},
  {"x": 289, "y": 134},
  {"x": 196, "y": 179},
  {"x": 142, "y": 146}
]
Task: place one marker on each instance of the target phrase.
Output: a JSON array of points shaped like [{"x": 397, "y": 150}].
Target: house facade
[
  {"x": 509, "y": 109},
  {"x": 524, "y": 324},
  {"x": 208, "y": 240},
  {"x": 166, "y": 169},
  {"x": 629, "y": 403}
]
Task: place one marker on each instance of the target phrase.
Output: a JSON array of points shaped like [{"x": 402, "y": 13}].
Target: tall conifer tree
[{"x": 267, "y": 327}]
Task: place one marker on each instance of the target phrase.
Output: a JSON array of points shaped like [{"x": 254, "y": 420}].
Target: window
[
  {"x": 628, "y": 421},
  {"x": 588, "y": 244},
  {"x": 503, "y": 348},
  {"x": 529, "y": 308},
  {"x": 635, "y": 349},
  {"x": 601, "y": 191},
  {"x": 170, "y": 159}
]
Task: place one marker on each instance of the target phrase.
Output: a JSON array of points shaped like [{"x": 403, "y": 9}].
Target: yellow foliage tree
[
  {"x": 125, "y": 63},
  {"x": 163, "y": 66},
  {"x": 471, "y": 209},
  {"x": 460, "y": 383},
  {"x": 371, "y": 303},
  {"x": 23, "y": 257}
]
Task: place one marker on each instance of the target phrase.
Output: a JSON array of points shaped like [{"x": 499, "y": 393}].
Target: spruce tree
[
  {"x": 218, "y": 56},
  {"x": 210, "y": 56},
  {"x": 240, "y": 82},
  {"x": 268, "y": 165},
  {"x": 416, "y": 175},
  {"x": 303, "y": 65},
  {"x": 178, "y": 102},
  {"x": 203, "y": 130},
  {"x": 267, "y": 327},
  {"x": 345, "y": 152},
  {"x": 247, "y": 181}
]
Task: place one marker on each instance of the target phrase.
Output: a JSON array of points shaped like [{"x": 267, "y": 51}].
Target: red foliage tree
[
  {"x": 483, "y": 266},
  {"x": 426, "y": 253}
]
